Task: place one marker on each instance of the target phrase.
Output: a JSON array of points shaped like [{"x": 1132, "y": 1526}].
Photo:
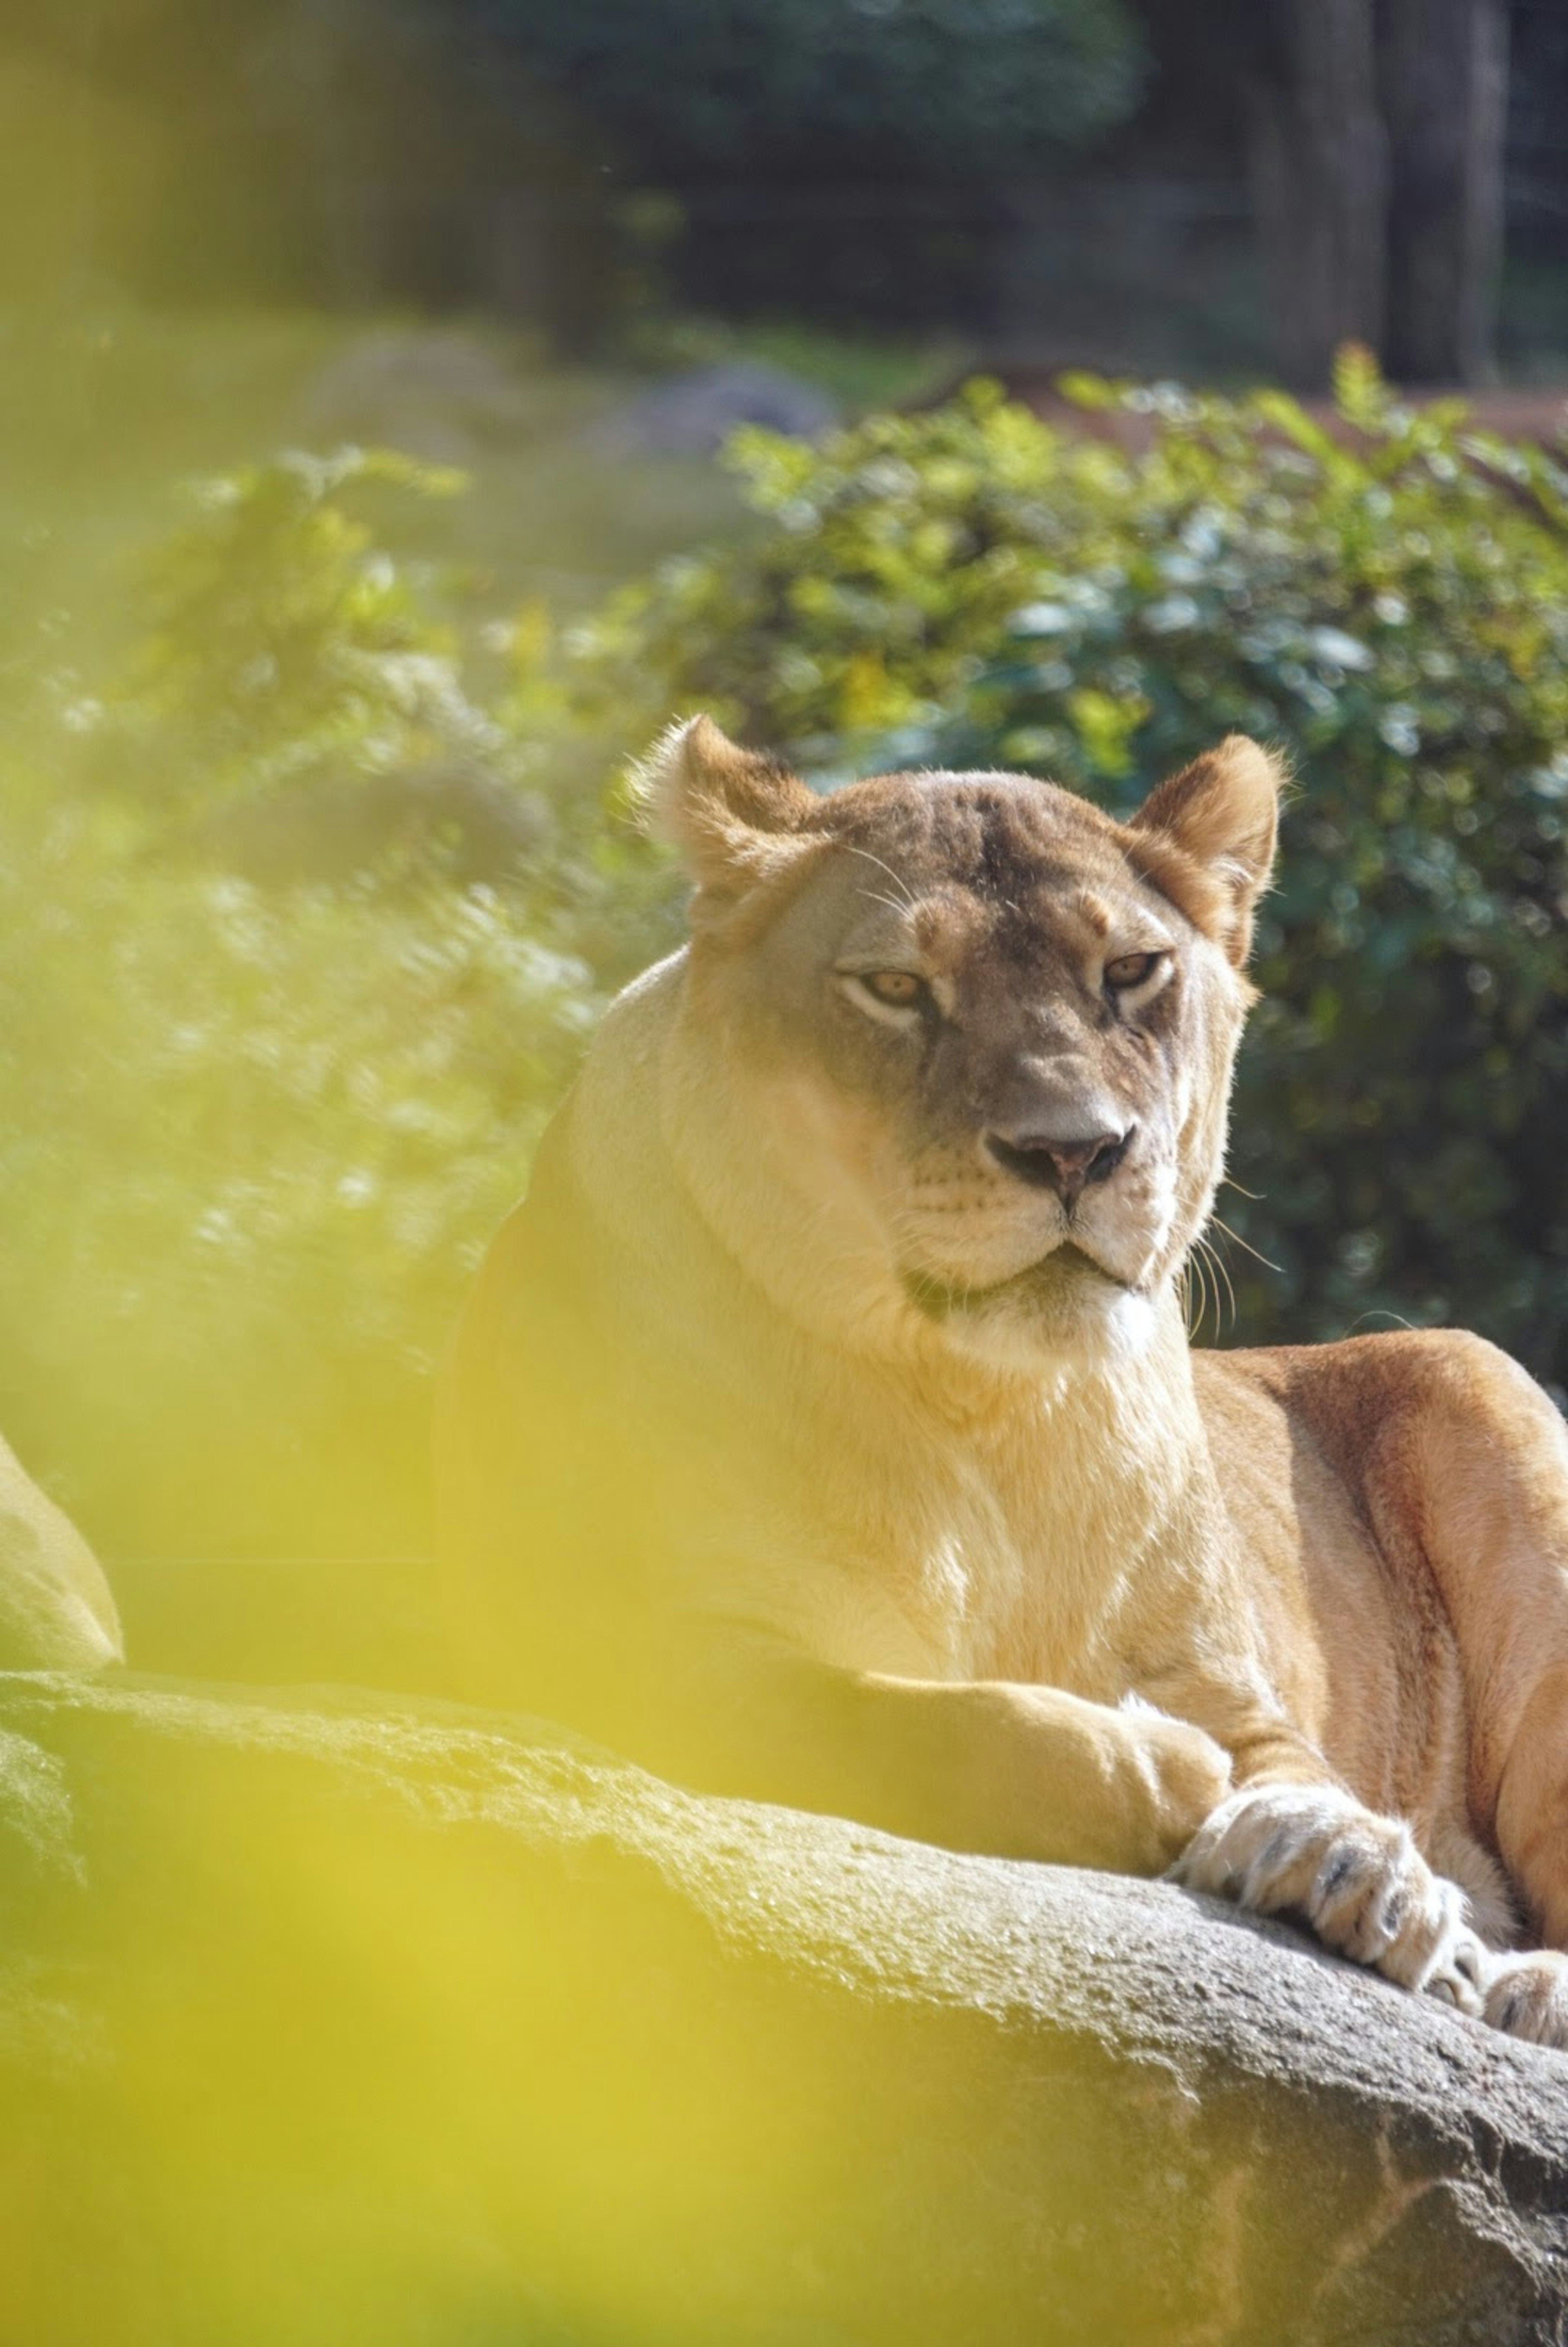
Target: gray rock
[
  {"x": 438, "y": 392},
  {"x": 693, "y": 414},
  {"x": 57, "y": 1611},
  {"x": 329, "y": 2018}
]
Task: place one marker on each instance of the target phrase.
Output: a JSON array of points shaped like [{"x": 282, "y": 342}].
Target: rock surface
[
  {"x": 693, "y": 414},
  {"x": 56, "y": 1610},
  {"x": 437, "y": 391},
  {"x": 327, "y": 2017}
]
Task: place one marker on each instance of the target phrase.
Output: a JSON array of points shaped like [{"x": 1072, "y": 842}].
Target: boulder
[
  {"x": 57, "y": 1609},
  {"x": 693, "y": 414},
  {"x": 440, "y": 392},
  {"x": 331, "y": 2017}
]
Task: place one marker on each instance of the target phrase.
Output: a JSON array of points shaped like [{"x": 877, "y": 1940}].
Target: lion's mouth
[{"x": 939, "y": 1300}]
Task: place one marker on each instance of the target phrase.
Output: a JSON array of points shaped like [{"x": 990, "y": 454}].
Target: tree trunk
[
  {"x": 1319, "y": 170},
  {"x": 1443, "y": 69}
]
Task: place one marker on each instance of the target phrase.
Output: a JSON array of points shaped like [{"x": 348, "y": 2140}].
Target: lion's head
[{"x": 972, "y": 1037}]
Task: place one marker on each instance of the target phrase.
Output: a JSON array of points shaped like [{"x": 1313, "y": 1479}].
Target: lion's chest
[{"x": 1014, "y": 1557}]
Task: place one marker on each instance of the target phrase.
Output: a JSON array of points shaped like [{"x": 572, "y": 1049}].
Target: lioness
[{"x": 825, "y": 1428}]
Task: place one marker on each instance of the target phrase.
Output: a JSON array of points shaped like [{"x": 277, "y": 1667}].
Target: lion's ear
[
  {"x": 737, "y": 818},
  {"x": 1221, "y": 814}
]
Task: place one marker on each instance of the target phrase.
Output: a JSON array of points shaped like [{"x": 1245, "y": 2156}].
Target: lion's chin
[
  {"x": 1064, "y": 1308},
  {"x": 1042, "y": 1286}
]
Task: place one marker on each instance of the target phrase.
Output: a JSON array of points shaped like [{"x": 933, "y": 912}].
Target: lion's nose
[{"x": 1066, "y": 1163}]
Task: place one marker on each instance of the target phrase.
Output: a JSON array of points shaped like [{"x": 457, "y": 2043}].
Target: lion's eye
[
  {"x": 1129, "y": 970},
  {"x": 901, "y": 989}
]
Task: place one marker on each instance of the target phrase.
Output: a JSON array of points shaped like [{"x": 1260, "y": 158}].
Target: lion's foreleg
[
  {"x": 1291, "y": 1838},
  {"x": 992, "y": 1765}
]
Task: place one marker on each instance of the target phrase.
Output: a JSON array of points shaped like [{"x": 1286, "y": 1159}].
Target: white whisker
[
  {"x": 910, "y": 901},
  {"x": 1246, "y": 1245}
]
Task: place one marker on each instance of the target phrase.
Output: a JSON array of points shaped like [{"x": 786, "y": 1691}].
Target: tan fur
[{"x": 827, "y": 1429}]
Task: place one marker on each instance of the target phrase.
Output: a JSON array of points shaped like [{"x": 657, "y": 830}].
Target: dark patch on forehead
[{"x": 1001, "y": 837}]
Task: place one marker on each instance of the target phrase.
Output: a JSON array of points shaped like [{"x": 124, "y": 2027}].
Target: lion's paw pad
[{"x": 1356, "y": 1878}]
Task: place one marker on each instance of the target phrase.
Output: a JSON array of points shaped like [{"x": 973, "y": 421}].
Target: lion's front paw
[
  {"x": 1356, "y": 1878},
  {"x": 1527, "y": 1996}
]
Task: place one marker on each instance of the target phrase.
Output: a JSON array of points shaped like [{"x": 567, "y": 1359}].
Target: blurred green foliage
[
  {"x": 311, "y": 889},
  {"x": 1387, "y": 600},
  {"x": 304, "y": 916}
]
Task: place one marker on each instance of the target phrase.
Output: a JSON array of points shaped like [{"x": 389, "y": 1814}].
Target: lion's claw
[{"x": 1358, "y": 1878}]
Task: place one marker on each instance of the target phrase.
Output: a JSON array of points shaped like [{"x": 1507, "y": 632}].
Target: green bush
[
  {"x": 259, "y": 1127},
  {"x": 1389, "y": 603},
  {"x": 256, "y": 1133},
  {"x": 255, "y": 1147}
]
